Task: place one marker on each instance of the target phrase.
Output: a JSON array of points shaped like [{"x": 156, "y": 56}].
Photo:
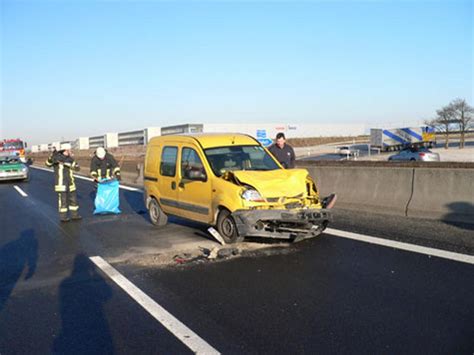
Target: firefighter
[
  {"x": 49, "y": 161},
  {"x": 64, "y": 165},
  {"x": 104, "y": 166}
]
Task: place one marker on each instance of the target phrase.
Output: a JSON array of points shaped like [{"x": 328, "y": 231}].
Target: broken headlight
[{"x": 252, "y": 195}]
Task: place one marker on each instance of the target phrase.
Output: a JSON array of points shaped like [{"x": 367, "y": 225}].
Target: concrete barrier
[
  {"x": 436, "y": 193},
  {"x": 379, "y": 190},
  {"x": 446, "y": 194}
]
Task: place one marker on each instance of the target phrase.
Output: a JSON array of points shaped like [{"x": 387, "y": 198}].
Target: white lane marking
[
  {"x": 178, "y": 329},
  {"x": 469, "y": 259},
  {"x": 20, "y": 191},
  {"x": 124, "y": 187}
]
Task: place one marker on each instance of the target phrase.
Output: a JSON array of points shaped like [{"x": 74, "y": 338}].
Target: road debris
[
  {"x": 227, "y": 252},
  {"x": 208, "y": 255},
  {"x": 213, "y": 253},
  {"x": 216, "y": 235},
  {"x": 182, "y": 258}
]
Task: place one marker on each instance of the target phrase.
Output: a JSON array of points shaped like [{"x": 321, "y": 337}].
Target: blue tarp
[{"x": 107, "y": 198}]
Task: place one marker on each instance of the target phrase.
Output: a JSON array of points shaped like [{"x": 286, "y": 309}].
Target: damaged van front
[{"x": 279, "y": 203}]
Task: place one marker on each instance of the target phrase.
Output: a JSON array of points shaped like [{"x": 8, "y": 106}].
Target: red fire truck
[{"x": 14, "y": 146}]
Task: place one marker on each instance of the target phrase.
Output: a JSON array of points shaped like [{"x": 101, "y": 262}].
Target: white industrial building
[
  {"x": 261, "y": 131},
  {"x": 302, "y": 130}
]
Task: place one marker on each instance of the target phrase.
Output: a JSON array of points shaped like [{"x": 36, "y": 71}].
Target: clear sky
[{"x": 80, "y": 68}]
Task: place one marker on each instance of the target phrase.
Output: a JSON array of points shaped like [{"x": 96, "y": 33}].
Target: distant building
[{"x": 264, "y": 132}]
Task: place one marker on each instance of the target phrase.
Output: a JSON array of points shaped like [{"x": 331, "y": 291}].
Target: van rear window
[{"x": 168, "y": 161}]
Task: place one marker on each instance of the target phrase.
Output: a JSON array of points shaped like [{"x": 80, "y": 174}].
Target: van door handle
[{"x": 173, "y": 185}]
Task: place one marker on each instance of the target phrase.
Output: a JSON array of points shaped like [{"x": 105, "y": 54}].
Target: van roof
[{"x": 208, "y": 140}]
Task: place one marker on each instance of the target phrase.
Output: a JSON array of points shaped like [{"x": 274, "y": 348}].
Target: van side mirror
[{"x": 195, "y": 175}]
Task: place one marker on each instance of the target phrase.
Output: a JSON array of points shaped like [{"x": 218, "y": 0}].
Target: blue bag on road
[{"x": 107, "y": 198}]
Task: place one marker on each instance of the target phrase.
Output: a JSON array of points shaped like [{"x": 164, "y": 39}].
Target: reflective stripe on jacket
[
  {"x": 105, "y": 168},
  {"x": 64, "y": 167}
]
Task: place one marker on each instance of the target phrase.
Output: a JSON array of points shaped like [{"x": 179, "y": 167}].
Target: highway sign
[
  {"x": 261, "y": 134},
  {"x": 265, "y": 141}
]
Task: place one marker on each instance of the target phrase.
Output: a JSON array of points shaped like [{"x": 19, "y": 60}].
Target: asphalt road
[{"x": 326, "y": 295}]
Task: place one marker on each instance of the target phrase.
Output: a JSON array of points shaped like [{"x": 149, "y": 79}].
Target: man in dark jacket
[
  {"x": 104, "y": 166},
  {"x": 64, "y": 165},
  {"x": 283, "y": 152}
]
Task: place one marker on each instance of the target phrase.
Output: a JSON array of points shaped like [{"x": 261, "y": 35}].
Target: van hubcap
[
  {"x": 228, "y": 227},
  {"x": 154, "y": 213}
]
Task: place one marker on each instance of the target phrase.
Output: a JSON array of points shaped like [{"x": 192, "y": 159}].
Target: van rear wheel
[
  {"x": 227, "y": 228},
  {"x": 157, "y": 216}
]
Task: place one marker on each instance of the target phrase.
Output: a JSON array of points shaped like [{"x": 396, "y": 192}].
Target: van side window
[
  {"x": 190, "y": 163},
  {"x": 168, "y": 161}
]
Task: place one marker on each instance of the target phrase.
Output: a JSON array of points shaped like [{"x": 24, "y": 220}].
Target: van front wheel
[
  {"x": 157, "y": 216},
  {"x": 227, "y": 228}
]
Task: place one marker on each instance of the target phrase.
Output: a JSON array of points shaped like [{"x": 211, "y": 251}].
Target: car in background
[
  {"x": 415, "y": 154},
  {"x": 12, "y": 168},
  {"x": 346, "y": 150}
]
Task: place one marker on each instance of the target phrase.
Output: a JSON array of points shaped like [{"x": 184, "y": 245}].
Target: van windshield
[{"x": 240, "y": 157}]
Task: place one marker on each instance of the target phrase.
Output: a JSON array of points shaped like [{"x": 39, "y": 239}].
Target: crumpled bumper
[{"x": 282, "y": 224}]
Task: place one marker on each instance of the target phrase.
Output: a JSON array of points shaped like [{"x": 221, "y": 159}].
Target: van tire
[
  {"x": 227, "y": 228},
  {"x": 157, "y": 216}
]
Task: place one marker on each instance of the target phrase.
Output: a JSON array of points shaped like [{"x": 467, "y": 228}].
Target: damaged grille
[
  {"x": 273, "y": 199},
  {"x": 282, "y": 199},
  {"x": 293, "y": 205}
]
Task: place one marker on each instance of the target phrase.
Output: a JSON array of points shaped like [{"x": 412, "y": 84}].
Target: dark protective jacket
[
  {"x": 286, "y": 155},
  {"x": 64, "y": 166},
  {"x": 105, "y": 168}
]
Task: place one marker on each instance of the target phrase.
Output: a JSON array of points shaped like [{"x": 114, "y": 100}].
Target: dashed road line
[
  {"x": 178, "y": 329},
  {"x": 124, "y": 187},
  {"x": 468, "y": 259},
  {"x": 20, "y": 191}
]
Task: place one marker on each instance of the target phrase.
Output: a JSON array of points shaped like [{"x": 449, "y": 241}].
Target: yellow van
[{"x": 232, "y": 182}]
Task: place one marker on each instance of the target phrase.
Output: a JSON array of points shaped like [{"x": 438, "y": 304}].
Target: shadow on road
[
  {"x": 458, "y": 210},
  {"x": 82, "y": 298},
  {"x": 135, "y": 201},
  {"x": 15, "y": 257}
]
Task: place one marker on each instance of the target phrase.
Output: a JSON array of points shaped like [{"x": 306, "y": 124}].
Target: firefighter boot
[
  {"x": 73, "y": 206},
  {"x": 63, "y": 217},
  {"x": 76, "y": 217}
]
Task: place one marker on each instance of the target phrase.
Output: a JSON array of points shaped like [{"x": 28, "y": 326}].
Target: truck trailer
[{"x": 398, "y": 138}]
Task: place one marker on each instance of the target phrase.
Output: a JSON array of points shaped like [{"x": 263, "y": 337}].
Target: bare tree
[
  {"x": 443, "y": 122},
  {"x": 463, "y": 113}
]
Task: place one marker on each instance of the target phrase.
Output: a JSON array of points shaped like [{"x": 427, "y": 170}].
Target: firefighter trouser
[{"x": 67, "y": 201}]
